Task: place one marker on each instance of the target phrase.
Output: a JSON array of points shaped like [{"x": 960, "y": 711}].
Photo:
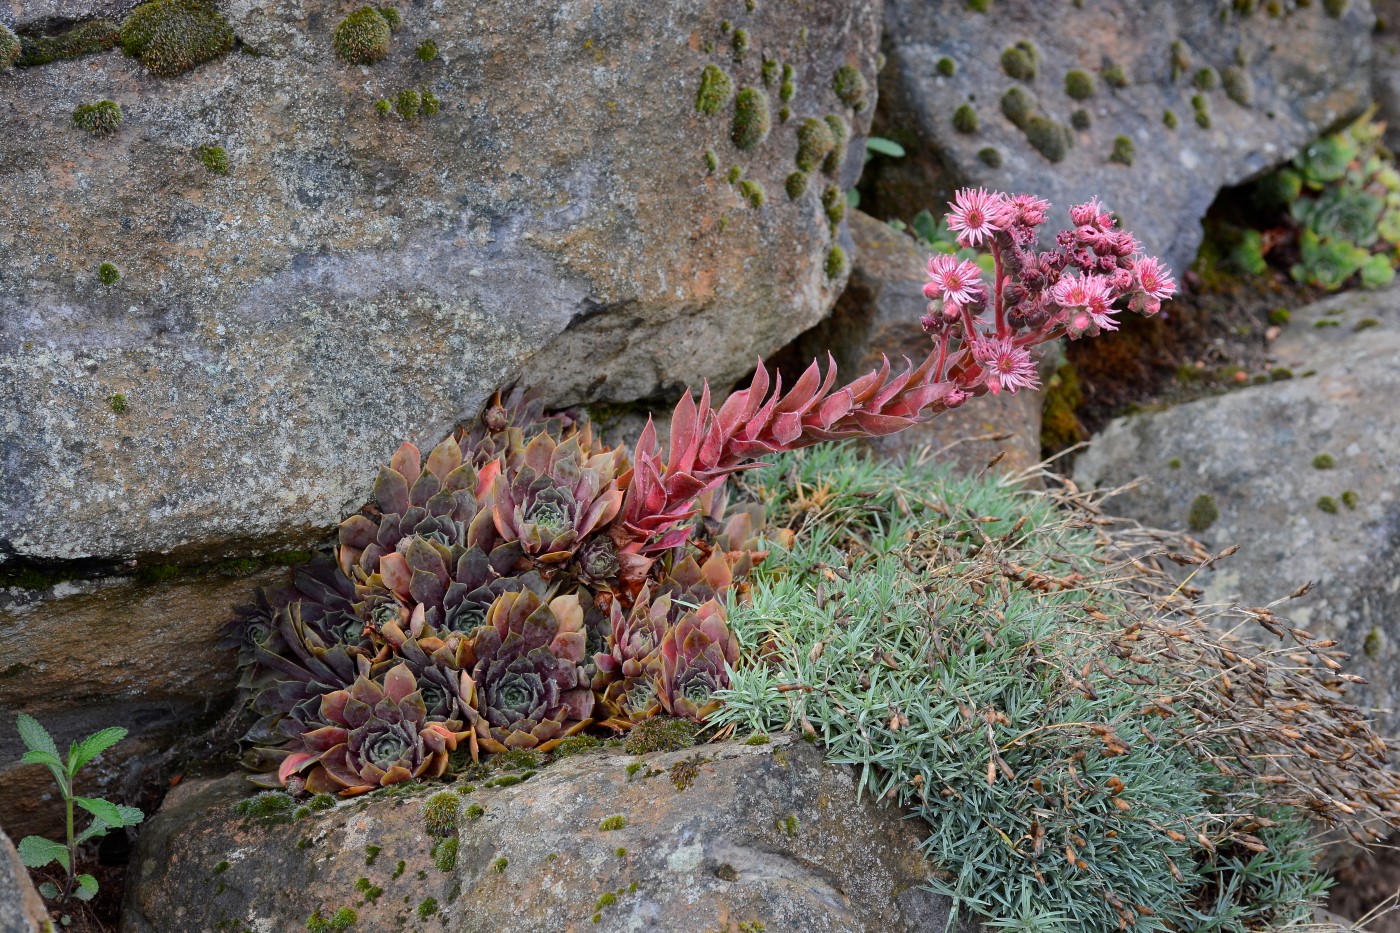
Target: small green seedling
[{"x": 39, "y": 852}]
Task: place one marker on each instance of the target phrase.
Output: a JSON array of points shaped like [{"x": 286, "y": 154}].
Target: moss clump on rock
[
  {"x": 752, "y": 121},
  {"x": 1020, "y": 61},
  {"x": 1335, "y": 8},
  {"x": 1169, "y": 119},
  {"x": 947, "y": 67},
  {"x": 1078, "y": 84},
  {"x": 965, "y": 119},
  {"x": 1202, "y": 109},
  {"x": 215, "y": 159},
  {"x": 1205, "y": 79},
  {"x": 440, "y": 813},
  {"x": 1080, "y": 119},
  {"x": 9, "y": 47},
  {"x": 814, "y": 141},
  {"x": 1017, "y": 105},
  {"x": 796, "y": 185},
  {"x": 392, "y": 16},
  {"x": 1049, "y": 138},
  {"x": 716, "y": 88},
  {"x": 97, "y": 35},
  {"x": 752, "y": 191},
  {"x": 383, "y": 106},
  {"x": 740, "y": 43},
  {"x": 1202, "y": 514},
  {"x": 170, "y": 37},
  {"x": 834, "y": 203},
  {"x": 849, "y": 85},
  {"x": 840, "y": 136},
  {"x": 362, "y": 38},
  {"x": 427, "y": 51},
  {"x": 836, "y": 263},
  {"x": 108, "y": 274},
  {"x": 661, "y": 734},
  {"x": 1123, "y": 150},
  {"x": 1327, "y": 504},
  {"x": 101, "y": 118},
  {"x": 1238, "y": 86},
  {"x": 990, "y": 156},
  {"x": 711, "y": 162},
  {"x": 408, "y": 104},
  {"x": 1114, "y": 76}
]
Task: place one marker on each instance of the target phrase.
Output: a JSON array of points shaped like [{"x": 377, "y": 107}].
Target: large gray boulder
[
  {"x": 358, "y": 279},
  {"x": 1275, "y": 82},
  {"x": 1303, "y": 474},
  {"x": 733, "y": 837},
  {"x": 21, "y": 908}
]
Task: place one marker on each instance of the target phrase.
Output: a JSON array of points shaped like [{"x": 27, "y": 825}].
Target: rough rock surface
[
  {"x": 1254, "y": 453},
  {"x": 357, "y": 279},
  {"x": 21, "y": 909},
  {"x": 89, "y": 654},
  {"x": 879, "y": 313},
  {"x": 1385, "y": 68},
  {"x": 764, "y": 837},
  {"x": 1297, "y": 73}
]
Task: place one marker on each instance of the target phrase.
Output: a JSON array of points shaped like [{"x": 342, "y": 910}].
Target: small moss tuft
[
  {"x": 1169, "y": 119},
  {"x": 101, "y": 118},
  {"x": 1080, "y": 119},
  {"x": 840, "y": 135},
  {"x": 789, "y": 825},
  {"x": 814, "y": 141},
  {"x": 1114, "y": 76},
  {"x": 270, "y": 806},
  {"x": 1203, "y": 513},
  {"x": 382, "y": 106},
  {"x": 1323, "y": 462},
  {"x": 427, "y": 907},
  {"x": 769, "y": 71},
  {"x": 734, "y": 174},
  {"x": 613, "y": 823},
  {"x": 427, "y": 51},
  {"x": 1174, "y": 463},
  {"x": 990, "y": 156},
  {"x": 445, "y": 854},
  {"x": 752, "y": 121},
  {"x": 119, "y": 406},
  {"x": 661, "y": 734},
  {"x": 1123, "y": 151},
  {"x": 108, "y": 274},
  {"x": 607, "y": 900},
  {"x": 834, "y": 203},
  {"x": 716, "y": 88},
  {"x": 392, "y": 16},
  {"x": 711, "y": 162},
  {"x": 795, "y": 186},
  {"x": 1373, "y": 643},
  {"x": 170, "y": 37},
  {"x": 836, "y": 263},
  {"x": 499, "y": 866},
  {"x": 1049, "y": 138},
  {"x": 1202, "y": 110},
  {"x": 947, "y": 67},
  {"x": 9, "y": 47},
  {"x": 1336, "y": 8},
  {"x": 362, "y": 38},
  {"x": 1020, "y": 61},
  {"x": 371, "y": 853},
  {"x": 408, "y": 103},
  {"x": 620, "y": 852},
  {"x": 752, "y": 191},
  {"x": 1366, "y": 323},
  {"x": 577, "y": 744},
  {"x": 965, "y": 119},
  {"x": 849, "y": 85},
  {"x": 633, "y": 768},
  {"x": 1205, "y": 79},
  {"x": 1017, "y": 105},
  {"x": 1078, "y": 84},
  {"x": 215, "y": 159},
  {"x": 431, "y": 105},
  {"x": 740, "y": 43},
  {"x": 1327, "y": 504},
  {"x": 440, "y": 813},
  {"x": 1350, "y": 499},
  {"x": 1238, "y": 87}
]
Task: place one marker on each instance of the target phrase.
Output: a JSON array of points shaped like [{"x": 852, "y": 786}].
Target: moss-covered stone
[
  {"x": 752, "y": 121},
  {"x": 716, "y": 88},
  {"x": 215, "y": 159},
  {"x": 1123, "y": 150},
  {"x": 1202, "y": 514},
  {"x": 965, "y": 119},
  {"x": 170, "y": 37},
  {"x": 814, "y": 141},
  {"x": 1017, "y": 105},
  {"x": 796, "y": 185},
  {"x": 427, "y": 51},
  {"x": 100, "y": 118},
  {"x": 849, "y": 85},
  {"x": 1049, "y": 138},
  {"x": 836, "y": 263},
  {"x": 9, "y": 47},
  {"x": 990, "y": 156},
  {"x": 1020, "y": 61},
  {"x": 88, "y": 38},
  {"x": 840, "y": 138},
  {"x": 362, "y": 38},
  {"x": 108, "y": 273}
]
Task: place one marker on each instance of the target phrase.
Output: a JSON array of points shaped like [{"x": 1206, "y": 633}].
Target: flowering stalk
[{"x": 1072, "y": 289}]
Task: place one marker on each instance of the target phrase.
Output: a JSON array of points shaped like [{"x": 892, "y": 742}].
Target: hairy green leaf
[
  {"x": 35, "y": 737},
  {"x": 36, "y": 852},
  {"x": 87, "y": 888},
  {"x": 94, "y": 745}
]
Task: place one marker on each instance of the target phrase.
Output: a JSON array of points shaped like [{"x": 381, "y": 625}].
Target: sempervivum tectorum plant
[
  {"x": 525, "y": 665},
  {"x": 550, "y": 497},
  {"x": 437, "y": 499},
  {"x": 374, "y": 735},
  {"x": 255, "y": 625},
  {"x": 626, "y": 673},
  {"x": 695, "y": 658},
  {"x": 512, "y": 420}
]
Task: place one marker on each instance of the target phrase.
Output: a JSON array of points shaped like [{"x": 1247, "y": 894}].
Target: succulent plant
[
  {"x": 374, "y": 735},
  {"x": 510, "y": 419},
  {"x": 255, "y": 626},
  {"x": 553, "y": 496},
  {"x": 1342, "y": 214},
  {"x": 626, "y": 674},
  {"x": 695, "y": 656},
  {"x": 525, "y": 667}
]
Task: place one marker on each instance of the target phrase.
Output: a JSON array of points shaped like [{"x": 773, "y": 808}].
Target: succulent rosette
[
  {"x": 373, "y": 735},
  {"x": 696, "y": 654},
  {"x": 525, "y": 667},
  {"x": 255, "y": 625},
  {"x": 509, "y": 420},
  {"x": 552, "y": 496},
  {"x": 626, "y": 674}
]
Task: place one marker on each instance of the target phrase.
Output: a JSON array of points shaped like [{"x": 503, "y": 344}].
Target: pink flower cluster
[{"x": 1073, "y": 289}]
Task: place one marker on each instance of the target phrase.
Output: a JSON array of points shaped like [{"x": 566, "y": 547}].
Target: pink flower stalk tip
[
  {"x": 1006, "y": 366},
  {"x": 952, "y": 279},
  {"x": 976, "y": 215}
]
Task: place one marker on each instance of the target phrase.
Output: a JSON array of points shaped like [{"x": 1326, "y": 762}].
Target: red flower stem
[{"x": 996, "y": 286}]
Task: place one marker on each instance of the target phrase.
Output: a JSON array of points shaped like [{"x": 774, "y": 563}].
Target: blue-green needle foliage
[{"x": 906, "y": 642}]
